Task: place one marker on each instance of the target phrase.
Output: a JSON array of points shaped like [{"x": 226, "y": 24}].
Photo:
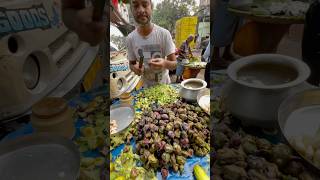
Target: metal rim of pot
[
  {"x": 13, "y": 145},
  {"x": 302, "y": 69},
  {"x": 204, "y": 84}
]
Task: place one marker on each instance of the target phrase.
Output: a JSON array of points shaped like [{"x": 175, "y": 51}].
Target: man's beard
[{"x": 139, "y": 23}]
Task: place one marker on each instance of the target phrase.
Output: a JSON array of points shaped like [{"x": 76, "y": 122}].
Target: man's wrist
[
  {"x": 171, "y": 65},
  {"x": 166, "y": 64},
  {"x": 76, "y": 4},
  {"x": 133, "y": 62},
  {"x": 131, "y": 66}
]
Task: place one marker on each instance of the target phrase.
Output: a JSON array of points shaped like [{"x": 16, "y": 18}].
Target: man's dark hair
[{"x": 149, "y": 0}]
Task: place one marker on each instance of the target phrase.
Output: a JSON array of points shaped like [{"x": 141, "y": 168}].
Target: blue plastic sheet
[
  {"x": 82, "y": 98},
  {"x": 87, "y": 97},
  {"x": 188, "y": 167}
]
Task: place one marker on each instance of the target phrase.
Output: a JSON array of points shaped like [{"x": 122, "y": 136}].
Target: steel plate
[{"x": 39, "y": 156}]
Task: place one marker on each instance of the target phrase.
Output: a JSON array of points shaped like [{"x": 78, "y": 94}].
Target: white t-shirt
[{"x": 158, "y": 44}]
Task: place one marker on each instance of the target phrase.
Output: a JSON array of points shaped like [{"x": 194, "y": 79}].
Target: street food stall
[
  {"x": 79, "y": 148},
  {"x": 159, "y": 132},
  {"x": 139, "y": 133},
  {"x": 192, "y": 67}
]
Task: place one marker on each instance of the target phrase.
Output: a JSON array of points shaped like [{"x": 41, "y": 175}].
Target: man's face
[{"x": 142, "y": 11}]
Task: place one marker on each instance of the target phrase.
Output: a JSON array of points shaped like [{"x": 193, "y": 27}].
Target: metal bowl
[
  {"x": 300, "y": 100},
  {"x": 204, "y": 92},
  {"x": 124, "y": 116},
  {"x": 188, "y": 93},
  {"x": 39, "y": 156}
]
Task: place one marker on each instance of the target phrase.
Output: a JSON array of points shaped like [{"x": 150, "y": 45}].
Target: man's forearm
[
  {"x": 171, "y": 62},
  {"x": 75, "y": 4},
  {"x": 171, "y": 65},
  {"x": 131, "y": 67},
  {"x": 69, "y": 9}
]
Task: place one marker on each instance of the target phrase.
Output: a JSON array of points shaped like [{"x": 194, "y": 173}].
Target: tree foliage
[
  {"x": 168, "y": 12},
  {"x": 119, "y": 41}
]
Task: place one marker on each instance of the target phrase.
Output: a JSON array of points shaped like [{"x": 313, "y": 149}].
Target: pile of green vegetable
[
  {"x": 194, "y": 59},
  {"x": 90, "y": 168},
  {"x": 122, "y": 138},
  {"x": 125, "y": 167},
  {"x": 167, "y": 135},
  {"x": 196, "y": 65},
  {"x": 160, "y": 94},
  {"x": 93, "y": 136}
]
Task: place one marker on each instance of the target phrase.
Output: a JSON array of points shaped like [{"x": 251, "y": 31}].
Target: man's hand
[
  {"x": 135, "y": 68},
  {"x": 88, "y": 30},
  {"x": 80, "y": 21},
  {"x": 157, "y": 64}
]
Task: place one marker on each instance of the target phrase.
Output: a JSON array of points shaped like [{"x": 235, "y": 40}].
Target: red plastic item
[
  {"x": 115, "y": 4},
  {"x": 177, "y": 51}
]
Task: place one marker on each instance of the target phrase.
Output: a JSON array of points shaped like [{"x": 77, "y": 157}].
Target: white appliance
[
  {"x": 122, "y": 79},
  {"x": 38, "y": 56}
]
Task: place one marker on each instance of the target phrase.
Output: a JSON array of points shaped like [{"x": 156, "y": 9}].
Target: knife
[{"x": 140, "y": 52}]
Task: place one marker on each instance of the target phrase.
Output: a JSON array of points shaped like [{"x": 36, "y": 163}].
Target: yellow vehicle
[
  {"x": 184, "y": 27},
  {"x": 191, "y": 26}
]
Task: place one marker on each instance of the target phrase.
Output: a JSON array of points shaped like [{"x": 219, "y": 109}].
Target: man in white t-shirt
[{"x": 152, "y": 43}]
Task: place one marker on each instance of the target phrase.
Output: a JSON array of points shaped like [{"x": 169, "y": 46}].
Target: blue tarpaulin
[
  {"x": 188, "y": 167},
  {"x": 87, "y": 97}
]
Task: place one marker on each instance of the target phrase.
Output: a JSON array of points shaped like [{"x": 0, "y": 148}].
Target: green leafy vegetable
[
  {"x": 160, "y": 94},
  {"x": 125, "y": 167}
]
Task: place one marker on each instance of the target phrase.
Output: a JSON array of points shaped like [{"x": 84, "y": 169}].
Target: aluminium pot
[
  {"x": 255, "y": 102},
  {"x": 190, "y": 93}
]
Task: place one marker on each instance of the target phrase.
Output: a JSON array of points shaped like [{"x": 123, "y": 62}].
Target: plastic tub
[{"x": 52, "y": 115}]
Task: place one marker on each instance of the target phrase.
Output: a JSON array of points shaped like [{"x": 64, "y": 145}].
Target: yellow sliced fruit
[
  {"x": 88, "y": 131},
  {"x": 199, "y": 173}
]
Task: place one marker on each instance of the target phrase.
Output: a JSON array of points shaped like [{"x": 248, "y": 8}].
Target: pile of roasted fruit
[
  {"x": 167, "y": 135},
  {"x": 239, "y": 155},
  {"x": 161, "y": 94}
]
